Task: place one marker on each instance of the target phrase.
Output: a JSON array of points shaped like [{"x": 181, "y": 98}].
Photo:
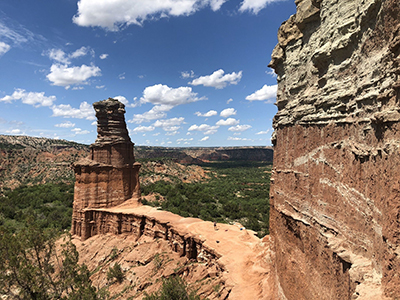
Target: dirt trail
[{"x": 239, "y": 249}]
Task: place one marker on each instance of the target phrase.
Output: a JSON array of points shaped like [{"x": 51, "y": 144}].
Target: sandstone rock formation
[
  {"x": 335, "y": 192},
  {"x": 110, "y": 175},
  {"x": 223, "y": 262}
]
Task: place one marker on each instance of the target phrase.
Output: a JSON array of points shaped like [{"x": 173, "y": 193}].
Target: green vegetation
[
  {"x": 236, "y": 191},
  {"x": 173, "y": 288},
  {"x": 30, "y": 268},
  {"x": 50, "y": 204},
  {"x": 115, "y": 273}
]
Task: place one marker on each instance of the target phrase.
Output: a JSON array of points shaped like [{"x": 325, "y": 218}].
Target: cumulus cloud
[
  {"x": 85, "y": 111},
  {"x": 169, "y": 124},
  {"x": 157, "y": 112},
  {"x": 60, "y": 56},
  {"x": 228, "y": 112},
  {"x": 160, "y": 94},
  {"x": 31, "y": 98},
  {"x": 15, "y": 131},
  {"x": 124, "y": 101},
  {"x": 238, "y": 139},
  {"x": 229, "y": 101},
  {"x": 205, "y": 138},
  {"x": 115, "y": 14},
  {"x": 254, "y": 6},
  {"x": 210, "y": 113},
  {"x": 80, "y": 131},
  {"x": 4, "y": 48},
  {"x": 227, "y": 122},
  {"x": 67, "y": 124},
  {"x": 143, "y": 129},
  {"x": 217, "y": 79},
  {"x": 265, "y": 93},
  {"x": 62, "y": 75},
  {"x": 239, "y": 128},
  {"x": 205, "y": 128},
  {"x": 103, "y": 56}
]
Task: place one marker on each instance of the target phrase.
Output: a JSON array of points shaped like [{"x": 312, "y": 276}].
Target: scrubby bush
[{"x": 173, "y": 288}]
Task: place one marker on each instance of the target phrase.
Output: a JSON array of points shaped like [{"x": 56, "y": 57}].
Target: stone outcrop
[
  {"x": 110, "y": 175},
  {"x": 335, "y": 187}
]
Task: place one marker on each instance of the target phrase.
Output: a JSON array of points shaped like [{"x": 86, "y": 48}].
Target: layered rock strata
[
  {"x": 238, "y": 259},
  {"x": 335, "y": 192},
  {"x": 110, "y": 175}
]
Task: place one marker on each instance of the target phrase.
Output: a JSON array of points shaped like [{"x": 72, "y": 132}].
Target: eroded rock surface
[
  {"x": 110, "y": 175},
  {"x": 335, "y": 190}
]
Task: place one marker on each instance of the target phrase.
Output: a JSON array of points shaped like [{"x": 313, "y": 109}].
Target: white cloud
[
  {"x": 186, "y": 74},
  {"x": 170, "y": 124},
  {"x": 205, "y": 128},
  {"x": 254, "y": 6},
  {"x": 80, "y": 131},
  {"x": 81, "y": 52},
  {"x": 228, "y": 112},
  {"x": 157, "y": 112},
  {"x": 60, "y": 56},
  {"x": 121, "y": 76},
  {"x": 205, "y": 138},
  {"x": 238, "y": 139},
  {"x": 31, "y": 98},
  {"x": 265, "y": 93},
  {"x": 62, "y": 75},
  {"x": 264, "y": 132},
  {"x": 217, "y": 79},
  {"x": 15, "y": 131},
  {"x": 100, "y": 87},
  {"x": 144, "y": 129},
  {"x": 4, "y": 48},
  {"x": 271, "y": 72},
  {"x": 160, "y": 94},
  {"x": 184, "y": 140},
  {"x": 123, "y": 100},
  {"x": 67, "y": 124},
  {"x": 172, "y": 133},
  {"x": 210, "y": 113},
  {"x": 239, "y": 128},
  {"x": 103, "y": 56},
  {"x": 229, "y": 101},
  {"x": 85, "y": 111},
  {"x": 227, "y": 122},
  {"x": 114, "y": 14}
]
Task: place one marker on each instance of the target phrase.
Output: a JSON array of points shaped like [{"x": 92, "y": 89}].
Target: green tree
[{"x": 30, "y": 268}]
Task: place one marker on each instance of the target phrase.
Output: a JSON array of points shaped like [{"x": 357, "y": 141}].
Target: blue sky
[{"x": 190, "y": 72}]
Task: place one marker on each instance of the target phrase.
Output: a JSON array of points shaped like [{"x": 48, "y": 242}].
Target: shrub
[
  {"x": 115, "y": 273},
  {"x": 173, "y": 288}
]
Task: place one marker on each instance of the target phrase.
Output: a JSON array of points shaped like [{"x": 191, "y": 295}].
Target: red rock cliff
[
  {"x": 110, "y": 175},
  {"x": 335, "y": 197}
]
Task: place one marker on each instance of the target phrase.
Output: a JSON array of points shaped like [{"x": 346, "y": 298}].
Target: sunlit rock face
[
  {"x": 110, "y": 175},
  {"x": 335, "y": 192}
]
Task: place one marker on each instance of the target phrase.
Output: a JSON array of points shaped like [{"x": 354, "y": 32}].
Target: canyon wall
[
  {"x": 335, "y": 190},
  {"x": 110, "y": 175}
]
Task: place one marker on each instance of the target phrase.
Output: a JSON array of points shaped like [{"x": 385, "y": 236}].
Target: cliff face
[
  {"x": 110, "y": 175},
  {"x": 335, "y": 192}
]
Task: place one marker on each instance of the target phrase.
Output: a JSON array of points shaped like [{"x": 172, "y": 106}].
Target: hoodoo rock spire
[{"x": 110, "y": 175}]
